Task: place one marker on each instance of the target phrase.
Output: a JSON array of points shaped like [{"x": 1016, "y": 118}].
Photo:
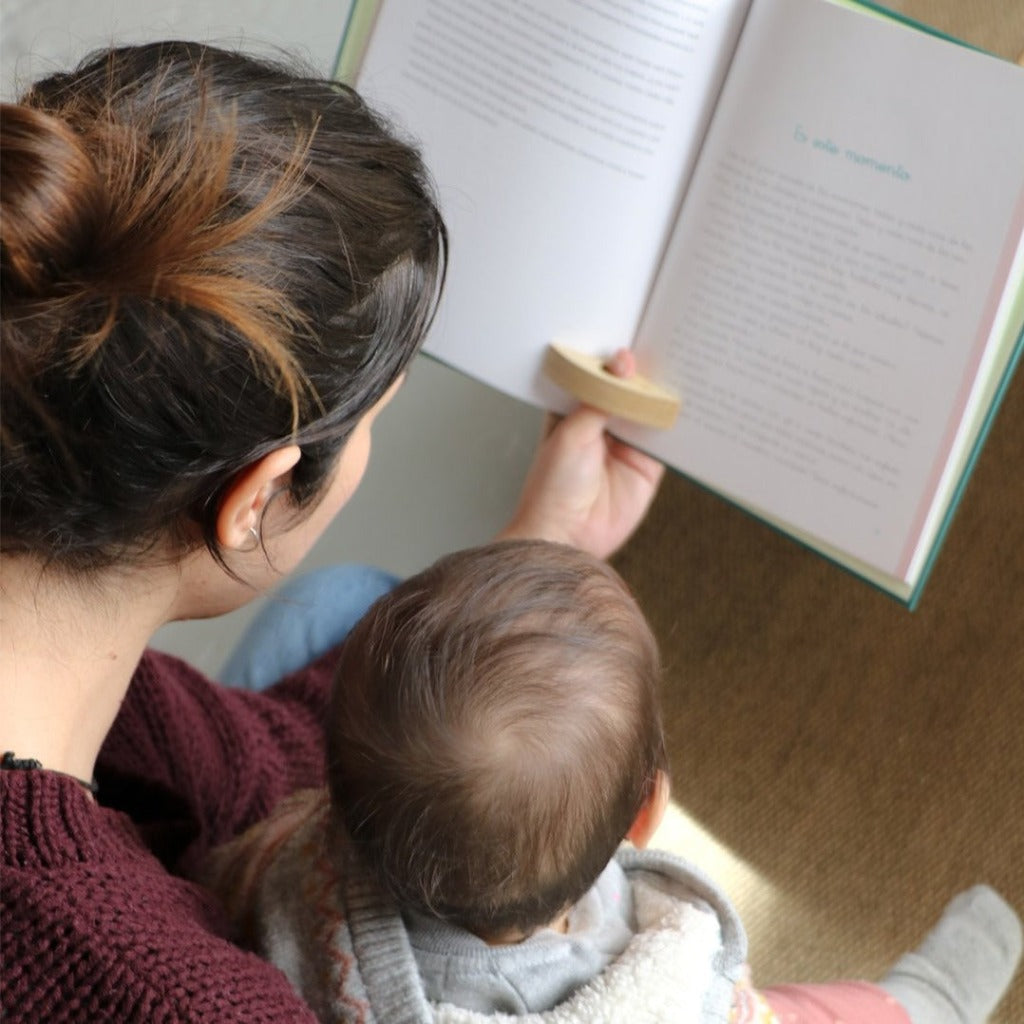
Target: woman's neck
[{"x": 67, "y": 653}]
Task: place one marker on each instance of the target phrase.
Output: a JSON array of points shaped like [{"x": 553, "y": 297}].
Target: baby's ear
[{"x": 649, "y": 816}]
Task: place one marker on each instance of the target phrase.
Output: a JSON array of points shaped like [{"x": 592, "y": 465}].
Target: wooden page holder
[{"x": 633, "y": 398}]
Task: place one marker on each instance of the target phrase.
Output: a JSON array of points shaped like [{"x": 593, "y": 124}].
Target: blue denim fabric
[{"x": 303, "y": 618}]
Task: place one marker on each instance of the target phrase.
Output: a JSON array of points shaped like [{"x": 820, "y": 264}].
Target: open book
[{"x": 805, "y": 217}]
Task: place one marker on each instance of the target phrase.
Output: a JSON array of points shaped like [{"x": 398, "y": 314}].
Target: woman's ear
[
  {"x": 242, "y": 507},
  {"x": 649, "y": 817}
]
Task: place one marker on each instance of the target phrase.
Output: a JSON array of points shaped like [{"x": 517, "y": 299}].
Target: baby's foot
[{"x": 965, "y": 964}]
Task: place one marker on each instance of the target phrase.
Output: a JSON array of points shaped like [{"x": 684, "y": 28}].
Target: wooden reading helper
[{"x": 633, "y": 398}]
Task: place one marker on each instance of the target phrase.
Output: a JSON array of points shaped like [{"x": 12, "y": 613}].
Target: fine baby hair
[
  {"x": 204, "y": 256},
  {"x": 494, "y": 732}
]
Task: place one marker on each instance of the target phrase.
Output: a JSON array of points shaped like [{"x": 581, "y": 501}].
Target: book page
[
  {"x": 835, "y": 274},
  {"x": 559, "y": 133}
]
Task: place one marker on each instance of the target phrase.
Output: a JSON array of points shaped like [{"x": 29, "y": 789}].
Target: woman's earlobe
[{"x": 242, "y": 507}]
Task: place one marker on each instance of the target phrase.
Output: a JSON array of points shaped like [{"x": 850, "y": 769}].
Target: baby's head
[{"x": 494, "y": 734}]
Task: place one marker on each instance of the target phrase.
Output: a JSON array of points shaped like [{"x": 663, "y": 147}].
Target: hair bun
[{"x": 52, "y": 198}]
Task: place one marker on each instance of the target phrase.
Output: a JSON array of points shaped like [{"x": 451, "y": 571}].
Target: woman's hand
[{"x": 585, "y": 488}]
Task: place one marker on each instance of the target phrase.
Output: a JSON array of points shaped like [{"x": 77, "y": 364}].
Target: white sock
[{"x": 965, "y": 964}]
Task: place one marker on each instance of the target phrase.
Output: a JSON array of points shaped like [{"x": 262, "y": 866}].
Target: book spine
[{"x": 355, "y": 37}]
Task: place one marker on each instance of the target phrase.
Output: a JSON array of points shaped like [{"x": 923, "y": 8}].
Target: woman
[{"x": 215, "y": 272}]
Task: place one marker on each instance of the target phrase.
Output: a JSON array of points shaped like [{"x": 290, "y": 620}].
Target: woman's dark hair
[
  {"x": 204, "y": 257},
  {"x": 494, "y": 731}
]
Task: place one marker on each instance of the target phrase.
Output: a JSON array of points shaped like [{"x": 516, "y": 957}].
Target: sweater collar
[{"x": 48, "y": 820}]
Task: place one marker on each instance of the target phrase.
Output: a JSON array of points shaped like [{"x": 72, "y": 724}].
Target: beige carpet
[{"x": 847, "y": 765}]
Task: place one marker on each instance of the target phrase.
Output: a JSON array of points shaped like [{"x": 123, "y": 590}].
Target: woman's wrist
[{"x": 527, "y": 527}]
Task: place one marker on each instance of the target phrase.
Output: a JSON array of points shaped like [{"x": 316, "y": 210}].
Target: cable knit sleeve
[{"x": 193, "y": 763}]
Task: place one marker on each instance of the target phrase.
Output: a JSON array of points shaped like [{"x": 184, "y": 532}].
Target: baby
[{"x": 494, "y": 736}]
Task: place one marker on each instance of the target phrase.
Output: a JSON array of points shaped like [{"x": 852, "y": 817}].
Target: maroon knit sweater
[{"x": 97, "y": 922}]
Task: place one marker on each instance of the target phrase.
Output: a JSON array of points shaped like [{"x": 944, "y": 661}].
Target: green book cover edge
[
  {"x": 354, "y": 38},
  {"x": 979, "y": 443}
]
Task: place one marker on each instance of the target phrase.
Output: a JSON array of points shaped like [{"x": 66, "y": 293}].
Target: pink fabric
[{"x": 841, "y": 1002}]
